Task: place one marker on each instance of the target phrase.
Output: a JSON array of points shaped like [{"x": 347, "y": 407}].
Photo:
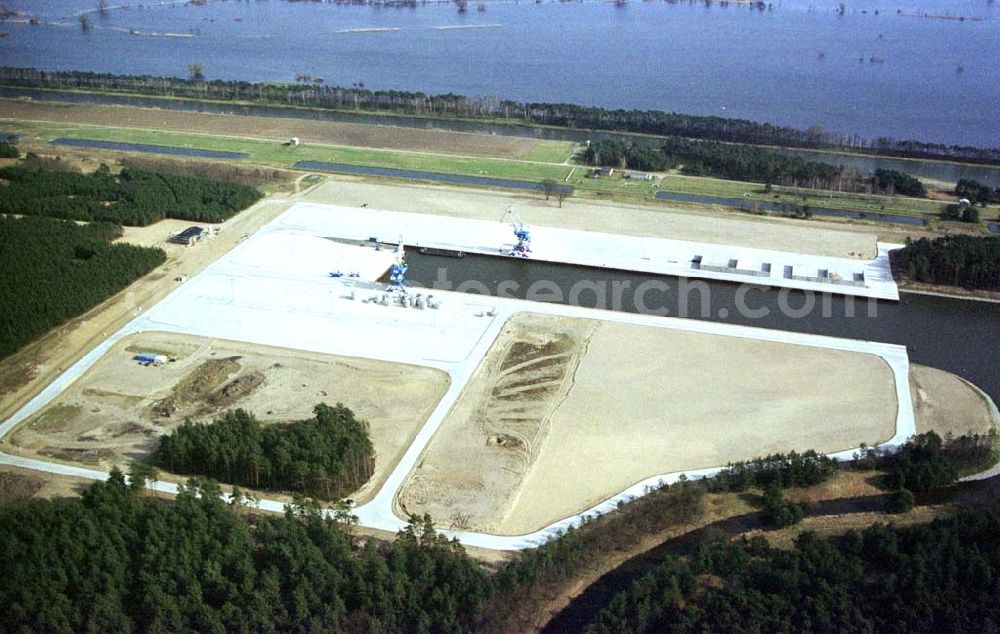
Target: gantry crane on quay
[
  {"x": 397, "y": 272},
  {"x": 522, "y": 248}
]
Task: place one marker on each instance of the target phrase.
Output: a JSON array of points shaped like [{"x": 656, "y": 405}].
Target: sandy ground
[
  {"x": 116, "y": 412},
  {"x": 606, "y": 216},
  {"x": 351, "y": 134},
  {"x": 626, "y": 403},
  {"x": 479, "y": 456},
  {"x": 158, "y": 234},
  {"x": 946, "y": 404},
  {"x": 21, "y": 485}
]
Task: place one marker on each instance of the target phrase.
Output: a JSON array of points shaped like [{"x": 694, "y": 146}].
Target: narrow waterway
[
  {"x": 937, "y": 170},
  {"x": 956, "y": 335},
  {"x": 792, "y": 208},
  {"x": 873, "y": 68}
]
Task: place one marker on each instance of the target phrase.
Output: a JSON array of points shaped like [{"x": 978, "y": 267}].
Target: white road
[{"x": 274, "y": 289}]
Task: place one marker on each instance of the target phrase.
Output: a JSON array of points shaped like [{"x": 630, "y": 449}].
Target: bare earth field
[
  {"x": 118, "y": 409},
  {"x": 944, "y": 403},
  {"x": 605, "y": 216},
  {"x": 352, "y": 134},
  {"x": 21, "y": 485},
  {"x": 564, "y": 413},
  {"x": 489, "y": 440}
]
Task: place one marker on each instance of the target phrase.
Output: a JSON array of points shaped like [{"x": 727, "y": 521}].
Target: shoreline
[
  {"x": 509, "y": 123},
  {"x": 974, "y": 298}
]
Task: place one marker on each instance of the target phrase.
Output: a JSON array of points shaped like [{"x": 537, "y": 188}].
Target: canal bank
[
  {"x": 952, "y": 334},
  {"x": 939, "y": 170},
  {"x": 770, "y": 267},
  {"x": 792, "y": 209}
]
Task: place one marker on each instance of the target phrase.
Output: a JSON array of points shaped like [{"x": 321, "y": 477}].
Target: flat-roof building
[{"x": 189, "y": 236}]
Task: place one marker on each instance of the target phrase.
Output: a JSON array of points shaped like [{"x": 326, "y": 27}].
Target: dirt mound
[
  {"x": 476, "y": 465},
  {"x": 531, "y": 374},
  {"x": 236, "y": 389},
  {"x": 78, "y": 454},
  {"x": 206, "y": 377},
  {"x": 198, "y": 386}
]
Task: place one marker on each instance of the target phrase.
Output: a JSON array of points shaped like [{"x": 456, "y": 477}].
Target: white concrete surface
[
  {"x": 606, "y": 250},
  {"x": 275, "y": 289}
]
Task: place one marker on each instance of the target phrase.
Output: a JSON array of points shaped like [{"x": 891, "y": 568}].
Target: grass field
[
  {"x": 544, "y": 160},
  {"x": 272, "y": 153},
  {"x": 737, "y": 189},
  {"x": 550, "y": 152}
]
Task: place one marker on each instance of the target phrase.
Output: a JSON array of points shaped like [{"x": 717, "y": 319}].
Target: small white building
[{"x": 639, "y": 176}]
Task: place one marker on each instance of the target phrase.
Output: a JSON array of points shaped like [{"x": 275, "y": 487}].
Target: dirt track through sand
[
  {"x": 116, "y": 412},
  {"x": 492, "y": 436},
  {"x": 626, "y": 403}
]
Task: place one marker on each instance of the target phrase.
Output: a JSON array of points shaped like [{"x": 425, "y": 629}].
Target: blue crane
[
  {"x": 397, "y": 272},
  {"x": 523, "y": 245}
]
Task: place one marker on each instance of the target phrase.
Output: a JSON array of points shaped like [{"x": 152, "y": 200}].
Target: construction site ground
[
  {"x": 564, "y": 413},
  {"x": 947, "y": 404},
  {"x": 118, "y": 410}
]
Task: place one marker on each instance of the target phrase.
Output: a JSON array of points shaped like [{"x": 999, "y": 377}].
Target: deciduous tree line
[
  {"x": 747, "y": 163},
  {"x": 458, "y": 106}
]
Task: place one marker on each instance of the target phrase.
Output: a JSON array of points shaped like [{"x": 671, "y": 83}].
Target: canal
[
  {"x": 938, "y": 170},
  {"x": 952, "y": 334}
]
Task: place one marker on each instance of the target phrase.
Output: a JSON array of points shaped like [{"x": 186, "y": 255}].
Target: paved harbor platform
[
  {"x": 275, "y": 289},
  {"x": 763, "y": 267}
]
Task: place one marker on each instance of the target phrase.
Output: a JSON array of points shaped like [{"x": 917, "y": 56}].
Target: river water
[
  {"x": 938, "y": 170},
  {"x": 877, "y": 70},
  {"x": 956, "y": 335}
]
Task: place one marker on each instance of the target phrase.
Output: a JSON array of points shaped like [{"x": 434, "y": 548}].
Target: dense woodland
[
  {"x": 638, "y": 156},
  {"x": 8, "y": 150},
  {"x": 121, "y": 560},
  {"x": 894, "y": 182},
  {"x": 782, "y": 470},
  {"x": 458, "y": 106},
  {"x": 976, "y": 192},
  {"x": 327, "y": 456},
  {"x": 132, "y": 197},
  {"x": 942, "y": 577},
  {"x": 55, "y": 270},
  {"x": 747, "y": 163},
  {"x": 967, "y": 261},
  {"x": 743, "y": 162}
]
